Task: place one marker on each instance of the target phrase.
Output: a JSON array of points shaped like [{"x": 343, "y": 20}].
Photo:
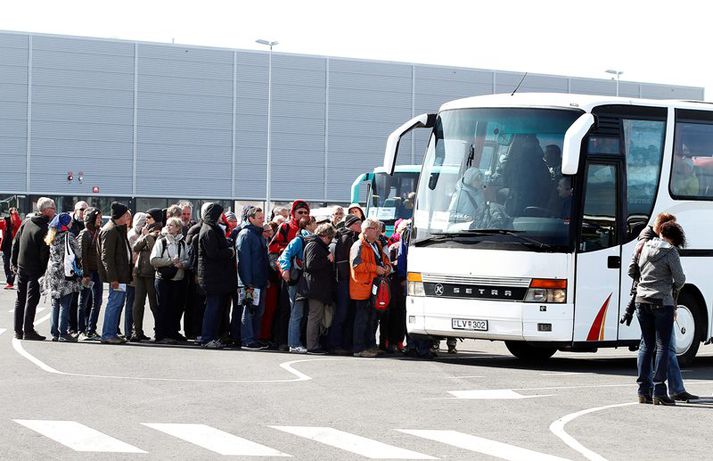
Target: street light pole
[
  {"x": 268, "y": 188},
  {"x": 616, "y": 73}
]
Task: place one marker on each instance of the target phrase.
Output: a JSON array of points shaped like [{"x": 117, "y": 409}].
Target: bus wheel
[
  {"x": 528, "y": 352},
  {"x": 688, "y": 329}
]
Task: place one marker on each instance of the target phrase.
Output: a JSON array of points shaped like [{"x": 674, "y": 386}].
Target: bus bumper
[{"x": 508, "y": 321}]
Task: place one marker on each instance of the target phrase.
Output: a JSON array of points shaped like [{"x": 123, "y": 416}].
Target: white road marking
[
  {"x": 215, "y": 440},
  {"x": 3, "y": 330},
  {"x": 557, "y": 428},
  {"x": 484, "y": 446},
  {"x": 457, "y": 377},
  {"x": 492, "y": 394},
  {"x": 368, "y": 448},
  {"x": 287, "y": 366},
  {"x": 78, "y": 437}
]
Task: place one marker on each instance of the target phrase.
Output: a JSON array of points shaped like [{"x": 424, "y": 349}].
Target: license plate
[{"x": 469, "y": 324}]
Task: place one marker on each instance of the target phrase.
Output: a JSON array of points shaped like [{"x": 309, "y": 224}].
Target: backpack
[
  {"x": 380, "y": 293},
  {"x": 296, "y": 270}
]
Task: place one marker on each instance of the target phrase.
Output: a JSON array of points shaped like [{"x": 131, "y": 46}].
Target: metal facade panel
[
  {"x": 82, "y": 95},
  {"x": 670, "y": 92}
]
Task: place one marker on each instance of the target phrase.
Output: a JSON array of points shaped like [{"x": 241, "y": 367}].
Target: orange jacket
[{"x": 362, "y": 263}]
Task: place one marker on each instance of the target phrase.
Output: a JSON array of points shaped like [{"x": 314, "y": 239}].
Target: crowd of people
[{"x": 292, "y": 283}]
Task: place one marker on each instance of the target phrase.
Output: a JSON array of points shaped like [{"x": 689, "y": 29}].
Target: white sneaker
[{"x": 298, "y": 350}]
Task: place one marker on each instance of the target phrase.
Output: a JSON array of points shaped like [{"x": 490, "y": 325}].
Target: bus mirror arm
[
  {"x": 392, "y": 142},
  {"x": 572, "y": 144}
]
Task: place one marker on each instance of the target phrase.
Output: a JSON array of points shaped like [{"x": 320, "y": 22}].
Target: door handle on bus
[{"x": 614, "y": 262}]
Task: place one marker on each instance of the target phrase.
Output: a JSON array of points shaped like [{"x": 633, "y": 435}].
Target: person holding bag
[
  {"x": 319, "y": 283},
  {"x": 62, "y": 276},
  {"x": 169, "y": 257}
]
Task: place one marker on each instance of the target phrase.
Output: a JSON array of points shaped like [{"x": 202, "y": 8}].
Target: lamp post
[
  {"x": 617, "y": 74},
  {"x": 269, "y": 122}
]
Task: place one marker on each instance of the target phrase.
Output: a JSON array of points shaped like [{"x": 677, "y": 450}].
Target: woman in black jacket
[
  {"x": 216, "y": 272},
  {"x": 319, "y": 283}
]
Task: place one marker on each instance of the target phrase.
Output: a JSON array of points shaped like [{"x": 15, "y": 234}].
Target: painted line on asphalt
[
  {"x": 287, "y": 366},
  {"x": 3, "y": 330},
  {"x": 78, "y": 437},
  {"x": 481, "y": 445},
  {"x": 557, "y": 428},
  {"x": 492, "y": 394},
  {"x": 352, "y": 443},
  {"x": 215, "y": 440},
  {"x": 464, "y": 377}
]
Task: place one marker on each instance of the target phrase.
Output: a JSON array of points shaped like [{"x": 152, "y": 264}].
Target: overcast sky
[{"x": 650, "y": 41}]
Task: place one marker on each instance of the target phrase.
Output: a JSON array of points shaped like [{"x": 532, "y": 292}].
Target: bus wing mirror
[
  {"x": 392, "y": 143},
  {"x": 572, "y": 144}
]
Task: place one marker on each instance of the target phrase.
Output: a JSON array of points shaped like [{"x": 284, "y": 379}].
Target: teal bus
[{"x": 388, "y": 197}]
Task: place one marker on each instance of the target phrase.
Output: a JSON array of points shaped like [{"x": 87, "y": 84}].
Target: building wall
[{"x": 158, "y": 120}]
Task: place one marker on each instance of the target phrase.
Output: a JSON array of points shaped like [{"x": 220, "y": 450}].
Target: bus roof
[
  {"x": 400, "y": 169},
  {"x": 566, "y": 101}
]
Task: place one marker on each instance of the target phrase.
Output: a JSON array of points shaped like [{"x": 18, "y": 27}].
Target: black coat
[
  {"x": 217, "y": 271},
  {"x": 344, "y": 240},
  {"x": 30, "y": 253},
  {"x": 319, "y": 282}
]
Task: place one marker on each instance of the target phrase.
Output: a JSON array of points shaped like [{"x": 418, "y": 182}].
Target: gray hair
[
  {"x": 184, "y": 204},
  {"x": 44, "y": 203},
  {"x": 174, "y": 211},
  {"x": 252, "y": 211},
  {"x": 370, "y": 222},
  {"x": 325, "y": 230}
]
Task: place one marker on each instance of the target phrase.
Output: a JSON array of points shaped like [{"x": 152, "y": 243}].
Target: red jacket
[{"x": 287, "y": 230}]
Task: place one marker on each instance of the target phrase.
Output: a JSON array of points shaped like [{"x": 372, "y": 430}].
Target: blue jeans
[
  {"x": 656, "y": 328},
  {"x": 675, "y": 380},
  {"x": 236, "y": 319},
  {"x": 336, "y": 337},
  {"x": 60, "y": 314},
  {"x": 297, "y": 307},
  {"x": 364, "y": 324},
  {"x": 211, "y": 318},
  {"x": 252, "y": 321},
  {"x": 112, "y": 313},
  {"x": 89, "y": 314}
]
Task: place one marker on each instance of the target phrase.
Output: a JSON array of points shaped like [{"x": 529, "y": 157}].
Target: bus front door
[{"x": 598, "y": 264}]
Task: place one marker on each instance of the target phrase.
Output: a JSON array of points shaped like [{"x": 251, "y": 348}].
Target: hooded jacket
[
  {"x": 216, "y": 270},
  {"x": 30, "y": 253},
  {"x": 114, "y": 254},
  {"x": 88, "y": 241},
  {"x": 287, "y": 230},
  {"x": 660, "y": 270},
  {"x": 253, "y": 264}
]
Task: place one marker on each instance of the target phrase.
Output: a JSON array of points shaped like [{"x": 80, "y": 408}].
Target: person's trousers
[
  {"x": 364, "y": 324},
  {"x": 335, "y": 337},
  {"x": 656, "y": 328},
  {"x": 74, "y": 313},
  {"x": 60, "y": 315},
  {"x": 9, "y": 275},
  {"x": 90, "y": 302},
  {"x": 281, "y": 325},
  {"x": 144, "y": 288},
  {"x": 129, "y": 310},
  {"x": 397, "y": 315},
  {"x": 314, "y": 323},
  {"x": 167, "y": 292},
  {"x": 28, "y": 296},
  {"x": 294, "y": 330},
  {"x": 211, "y": 317},
  {"x": 675, "y": 380},
  {"x": 252, "y": 320},
  {"x": 236, "y": 318},
  {"x": 195, "y": 306},
  {"x": 112, "y": 313}
]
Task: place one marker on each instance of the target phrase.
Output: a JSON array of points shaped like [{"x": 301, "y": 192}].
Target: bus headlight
[
  {"x": 415, "y": 284},
  {"x": 547, "y": 291}
]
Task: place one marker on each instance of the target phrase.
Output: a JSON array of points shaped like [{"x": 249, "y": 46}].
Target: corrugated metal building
[{"x": 160, "y": 120}]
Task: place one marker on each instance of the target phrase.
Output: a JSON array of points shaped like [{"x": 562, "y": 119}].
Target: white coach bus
[{"x": 528, "y": 209}]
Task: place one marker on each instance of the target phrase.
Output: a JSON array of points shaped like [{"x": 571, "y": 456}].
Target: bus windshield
[
  {"x": 391, "y": 197},
  {"x": 497, "y": 171}
]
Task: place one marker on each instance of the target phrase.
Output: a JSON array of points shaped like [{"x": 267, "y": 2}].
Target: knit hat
[
  {"x": 156, "y": 214},
  {"x": 61, "y": 222},
  {"x": 90, "y": 217},
  {"x": 350, "y": 219},
  {"x": 118, "y": 210}
]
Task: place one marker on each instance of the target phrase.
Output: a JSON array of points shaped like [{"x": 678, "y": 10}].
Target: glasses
[{"x": 303, "y": 212}]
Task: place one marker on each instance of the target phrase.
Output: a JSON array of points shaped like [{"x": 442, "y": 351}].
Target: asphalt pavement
[{"x": 89, "y": 401}]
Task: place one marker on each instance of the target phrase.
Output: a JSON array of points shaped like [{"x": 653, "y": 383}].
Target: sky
[{"x": 649, "y": 41}]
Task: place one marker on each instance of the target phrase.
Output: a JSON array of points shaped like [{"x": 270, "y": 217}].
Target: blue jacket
[
  {"x": 253, "y": 263},
  {"x": 295, "y": 249}
]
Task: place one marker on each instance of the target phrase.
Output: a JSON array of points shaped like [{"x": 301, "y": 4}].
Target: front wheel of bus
[
  {"x": 688, "y": 329},
  {"x": 528, "y": 352}
]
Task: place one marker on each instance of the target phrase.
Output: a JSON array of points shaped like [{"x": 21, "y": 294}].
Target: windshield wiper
[
  {"x": 445, "y": 237},
  {"x": 523, "y": 239}
]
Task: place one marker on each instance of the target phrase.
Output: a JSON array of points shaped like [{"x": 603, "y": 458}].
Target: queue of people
[{"x": 292, "y": 284}]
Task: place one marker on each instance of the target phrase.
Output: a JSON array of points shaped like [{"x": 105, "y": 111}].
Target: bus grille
[{"x": 522, "y": 282}]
